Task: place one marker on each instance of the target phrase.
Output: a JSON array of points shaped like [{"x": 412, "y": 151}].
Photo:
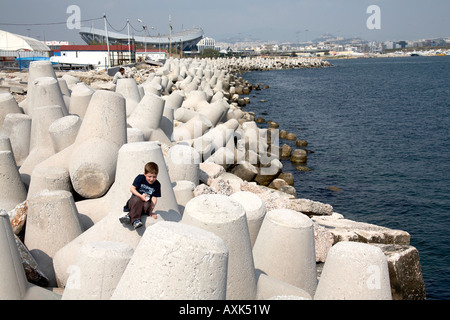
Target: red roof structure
[{"x": 96, "y": 47}]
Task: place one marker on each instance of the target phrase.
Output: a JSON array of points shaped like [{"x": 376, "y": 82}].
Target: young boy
[{"x": 145, "y": 191}]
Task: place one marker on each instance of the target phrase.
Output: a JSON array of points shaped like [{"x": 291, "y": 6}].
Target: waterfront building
[{"x": 207, "y": 43}]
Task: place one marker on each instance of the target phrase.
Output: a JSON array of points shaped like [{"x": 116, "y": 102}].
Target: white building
[{"x": 207, "y": 43}]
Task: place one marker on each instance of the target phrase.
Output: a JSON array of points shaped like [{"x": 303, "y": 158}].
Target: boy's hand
[{"x": 142, "y": 196}]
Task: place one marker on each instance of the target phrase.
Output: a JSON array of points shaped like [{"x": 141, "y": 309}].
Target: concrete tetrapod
[
  {"x": 195, "y": 100},
  {"x": 40, "y": 69},
  {"x": 183, "y": 163},
  {"x": 52, "y": 222},
  {"x": 97, "y": 270},
  {"x": 128, "y": 88},
  {"x": 354, "y": 271},
  {"x": 46, "y": 92},
  {"x": 166, "y": 124},
  {"x": 105, "y": 118},
  {"x": 101, "y": 134},
  {"x": 130, "y": 162},
  {"x": 13, "y": 189},
  {"x": 5, "y": 143},
  {"x": 175, "y": 99},
  {"x": 41, "y": 147},
  {"x": 148, "y": 113},
  {"x": 13, "y": 281},
  {"x": 49, "y": 178},
  {"x": 214, "y": 111},
  {"x": 284, "y": 249},
  {"x": 37, "y": 69},
  {"x": 79, "y": 99},
  {"x": 147, "y": 117},
  {"x": 191, "y": 264},
  {"x": 8, "y": 105},
  {"x": 226, "y": 218},
  {"x": 64, "y": 131},
  {"x": 184, "y": 192},
  {"x": 17, "y": 127},
  {"x": 92, "y": 167},
  {"x": 255, "y": 210},
  {"x": 268, "y": 287}
]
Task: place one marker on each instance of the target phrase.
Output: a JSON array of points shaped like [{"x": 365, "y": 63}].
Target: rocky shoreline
[{"x": 193, "y": 110}]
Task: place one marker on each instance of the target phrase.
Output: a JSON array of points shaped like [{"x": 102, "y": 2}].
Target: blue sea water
[{"x": 378, "y": 129}]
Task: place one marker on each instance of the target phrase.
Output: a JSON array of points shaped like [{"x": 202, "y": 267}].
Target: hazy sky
[{"x": 281, "y": 20}]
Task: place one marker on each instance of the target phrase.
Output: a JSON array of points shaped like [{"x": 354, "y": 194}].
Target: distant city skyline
[{"x": 280, "y": 21}]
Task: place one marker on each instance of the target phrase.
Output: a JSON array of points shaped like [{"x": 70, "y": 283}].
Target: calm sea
[{"x": 379, "y": 130}]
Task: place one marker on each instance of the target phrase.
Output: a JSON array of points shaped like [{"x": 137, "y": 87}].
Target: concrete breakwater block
[
  {"x": 175, "y": 99},
  {"x": 354, "y": 271},
  {"x": 41, "y": 147},
  {"x": 49, "y": 178},
  {"x": 5, "y": 143},
  {"x": 13, "y": 281},
  {"x": 184, "y": 192},
  {"x": 101, "y": 134},
  {"x": 37, "y": 69},
  {"x": 135, "y": 135},
  {"x": 105, "y": 118},
  {"x": 183, "y": 163},
  {"x": 268, "y": 287},
  {"x": 147, "y": 114},
  {"x": 284, "y": 249},
  {"x": 8, "y": 105},
  {"x": 64, "y": 131},
  {"x": 52, "y": 222},
  {"x": 13, "y": 189},
  {"x": 45, "y": 92},
  {"x": 255, "y": 210},
  {"x": 92, "y": 167},
  {"x": 97, "y": 270},
  {"x": 17, "y": 127},
  {"x": 79, "y": 99},
  {"x": 40, "y": 69},
  {"x": 128, "y": 88},
  {"x": 226, "y": 218},
  {"x": 191, "y": 264},
  {"x": 152, "y": 118}
]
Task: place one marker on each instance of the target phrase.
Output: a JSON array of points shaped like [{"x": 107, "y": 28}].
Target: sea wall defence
[{"x": 225, "y": 197}]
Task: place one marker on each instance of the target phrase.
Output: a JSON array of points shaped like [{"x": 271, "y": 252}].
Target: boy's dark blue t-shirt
[{"x": 142, "y": 186}]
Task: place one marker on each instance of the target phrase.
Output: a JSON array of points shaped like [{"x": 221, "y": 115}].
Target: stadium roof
[
  {"x": 14, "y": 42},
  {"x": 187, "y": 38}
]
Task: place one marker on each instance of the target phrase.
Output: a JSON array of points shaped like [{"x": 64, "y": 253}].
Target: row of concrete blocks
[
  {"x": 246, "y": 64},
  {"x": 208, "y": 255},
  {"x": 262, "y": 255},
  {"x": 57, "y": 255},
  {"x": 254, "y": 254}
]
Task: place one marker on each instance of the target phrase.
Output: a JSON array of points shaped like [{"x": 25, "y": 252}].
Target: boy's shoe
[
  {"x": 137, "y": 224},
  {"x": 125, "y": 219}
]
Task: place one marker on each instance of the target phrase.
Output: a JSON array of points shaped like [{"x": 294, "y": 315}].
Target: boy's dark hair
[{"x": 151, "y": 167}]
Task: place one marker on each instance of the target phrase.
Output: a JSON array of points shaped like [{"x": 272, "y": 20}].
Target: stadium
[{"x": 186, "y": 40}]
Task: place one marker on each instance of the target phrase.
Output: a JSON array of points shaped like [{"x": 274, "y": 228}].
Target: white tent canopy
[{"x": 13, "y": 42}]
